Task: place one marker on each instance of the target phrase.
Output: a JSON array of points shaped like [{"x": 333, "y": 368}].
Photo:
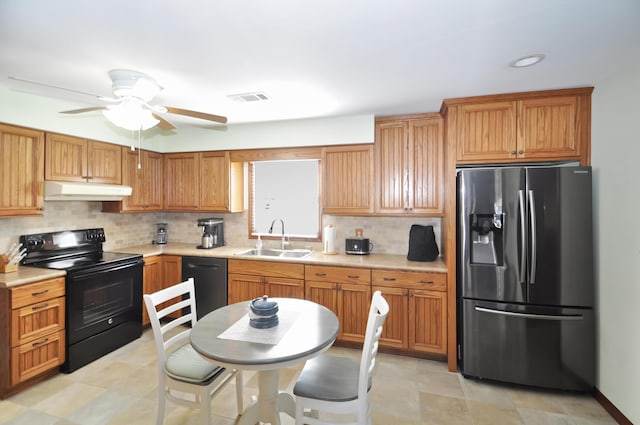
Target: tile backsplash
[{"x": 389, "y": 235}]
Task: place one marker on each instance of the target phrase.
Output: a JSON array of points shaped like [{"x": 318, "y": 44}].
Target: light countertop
[{"x": 372, "y": 261}]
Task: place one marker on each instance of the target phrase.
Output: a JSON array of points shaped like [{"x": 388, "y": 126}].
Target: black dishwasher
[{"x": 210, "y": 279}]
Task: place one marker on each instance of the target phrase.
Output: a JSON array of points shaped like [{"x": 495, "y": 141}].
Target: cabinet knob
[
  {"x": 513, "y": 152},
  {"x": 427, "y": 282},
  {"x": 352, "y": 276},
  {"x": 389, "y": 279},
  {"x": 520, "y": 152}
]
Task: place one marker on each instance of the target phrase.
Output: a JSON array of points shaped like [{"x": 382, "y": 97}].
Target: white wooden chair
[
  {"x": 339, "y": 385},
  {"x": 181, "y": 370}
]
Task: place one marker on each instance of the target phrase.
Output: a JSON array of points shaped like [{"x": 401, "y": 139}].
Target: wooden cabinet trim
[
  {"x": 266, "y": 268},
  {"x": 353, "y": 275},
  {"x": 32, "y": 293}
]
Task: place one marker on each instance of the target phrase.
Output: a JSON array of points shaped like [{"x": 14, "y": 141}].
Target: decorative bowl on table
[{"x": 263, "y": 313}]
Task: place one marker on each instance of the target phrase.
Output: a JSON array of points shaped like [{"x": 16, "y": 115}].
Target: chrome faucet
[{"x": 285, "y": 242}]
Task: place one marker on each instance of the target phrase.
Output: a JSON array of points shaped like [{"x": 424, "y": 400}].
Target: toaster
[{"x": 358, "y": 246}]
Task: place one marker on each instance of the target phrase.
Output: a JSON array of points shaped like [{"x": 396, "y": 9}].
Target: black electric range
[{"x": 103, "y": 291}]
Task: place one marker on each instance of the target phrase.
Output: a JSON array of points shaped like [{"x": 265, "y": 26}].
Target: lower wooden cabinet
[
  {"x": 160, "y": 271},
  {"x": 344, "y": 290},
  {"x": 417, "y": 318},
  {"x": 32, "y": 334},
  {"x": 249, "y": 279}
]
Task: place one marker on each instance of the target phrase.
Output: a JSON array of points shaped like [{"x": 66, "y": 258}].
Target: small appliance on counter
[
  {"x": 358, "y": 245},
  {"x": 161, "y": 234},
  {"x": 212, "y": 232}
]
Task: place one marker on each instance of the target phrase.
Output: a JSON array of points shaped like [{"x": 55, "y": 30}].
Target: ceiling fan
[{"x": 130, "y": 107}]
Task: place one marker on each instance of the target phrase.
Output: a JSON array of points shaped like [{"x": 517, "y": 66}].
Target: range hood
[{"x": 77, "y": 191}]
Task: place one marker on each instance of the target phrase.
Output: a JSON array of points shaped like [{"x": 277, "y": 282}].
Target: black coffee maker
[{"x": 212, "y": 232}]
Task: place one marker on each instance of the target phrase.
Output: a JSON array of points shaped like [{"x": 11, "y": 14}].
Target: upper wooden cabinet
[
  {"x": 74, "y": 159},
  {"x": 409, "y": 164},
  {"x": 21, "y": 171},
  {"x": 347, "y": 183},
  {"x": 146, "y": 182},
  {"x": 203, "y": 181},
  {"x": 534, "y": 126}
]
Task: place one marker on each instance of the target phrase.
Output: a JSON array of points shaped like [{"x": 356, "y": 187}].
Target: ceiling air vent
[{"x": 249, "y": 97}]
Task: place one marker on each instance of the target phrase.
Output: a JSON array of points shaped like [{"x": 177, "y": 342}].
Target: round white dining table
[{"x": 225, "y": 337}]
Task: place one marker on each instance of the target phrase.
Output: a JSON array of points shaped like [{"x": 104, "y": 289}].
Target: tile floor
[{"x": 120, "y": 389}]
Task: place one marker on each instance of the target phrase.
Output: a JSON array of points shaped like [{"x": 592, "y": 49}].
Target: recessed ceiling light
[{"x": 527, "y": 61}]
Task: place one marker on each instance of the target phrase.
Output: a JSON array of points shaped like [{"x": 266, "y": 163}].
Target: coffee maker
[
  {"x": 212, "y": 232},
  {"x": 161, "y": 233}
]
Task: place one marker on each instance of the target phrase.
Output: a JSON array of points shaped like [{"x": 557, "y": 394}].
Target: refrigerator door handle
[
  {"x": 533, "y": 237},
  {"x": 531, "y": 316},
  {"x": 523, "y": 239}
]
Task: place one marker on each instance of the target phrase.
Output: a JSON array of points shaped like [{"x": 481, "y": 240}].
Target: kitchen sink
[{"x": 282, "y": 253}]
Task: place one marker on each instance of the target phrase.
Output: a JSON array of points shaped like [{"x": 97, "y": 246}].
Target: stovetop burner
[
  {"x": 75, "y": 263},
  {"x": 70, "y": 250}
]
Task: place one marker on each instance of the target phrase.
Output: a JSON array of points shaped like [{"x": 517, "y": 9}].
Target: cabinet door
[
  {"x": 146, "y": 181},
  {"x": 395, "y": 332},
  {"x": 284, "y": 288},
  {"x": 547, "y": 128},
  {"x": 323, "y": 293},
  {"x": 151, "y": 281},
  {"x": 244, "y": 288},
  {"x": 353, "y": 308},
  {"x": 171, "y": 269},
  {"x": 66, "y": 158},
  {"x": 182, "y": 172},
  {"x": 33, "y": 358},
  {"x": 392, "y": 170},
  {"x": 487, "y": 132},
  {"x": 104, "y": 162},
  {"x": 428, "y": 321},
  {"x": 37, "y": 321},
  {"x": 214, "y": 179},
  {"x": 426, "y": 166},
  {"x": 21, "y": 171},
  {"x": 153, "y": 181},
  {"x": 347, "y": 185}
]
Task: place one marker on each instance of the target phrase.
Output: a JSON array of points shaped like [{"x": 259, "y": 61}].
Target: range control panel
[{"x": 64, "y": 240}]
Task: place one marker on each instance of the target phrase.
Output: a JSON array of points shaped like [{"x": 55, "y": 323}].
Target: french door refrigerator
[{"x": 525, "y": 276}]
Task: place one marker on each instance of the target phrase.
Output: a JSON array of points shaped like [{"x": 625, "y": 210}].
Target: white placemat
[{"x": 242, "y": 331}]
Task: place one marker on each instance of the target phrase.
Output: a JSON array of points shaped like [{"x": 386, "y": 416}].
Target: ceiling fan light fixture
[{"x": 131, "y": 116}]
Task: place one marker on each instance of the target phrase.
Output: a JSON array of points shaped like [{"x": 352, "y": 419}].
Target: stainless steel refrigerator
[{"x": 525, "y": 276}]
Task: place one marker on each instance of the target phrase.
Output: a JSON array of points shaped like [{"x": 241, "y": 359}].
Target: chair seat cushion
[
  {"x": 329, "y": 378},
  {"x": 185, "y": 364}
]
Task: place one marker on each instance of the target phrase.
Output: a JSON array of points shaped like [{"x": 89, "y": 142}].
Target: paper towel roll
[{"x": 329, "y": 239}]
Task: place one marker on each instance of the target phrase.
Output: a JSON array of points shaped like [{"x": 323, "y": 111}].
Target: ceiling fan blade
[
  {"x": 196, "y": 114},
  {"x": 164, "y": 124},
  {"x": 78, "y": 111},
  {"x": 22, "y": 80}
]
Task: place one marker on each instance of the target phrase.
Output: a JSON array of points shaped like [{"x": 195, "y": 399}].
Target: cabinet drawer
[
  {"x": 36, "y": 292},
  {"x": 267, "y": 268},
  {"x": 37, "y": 320},
  {"x": 410, "y": 279},
  {"x": 338, "y": 274},
  {"x": 31, "y": 359}
]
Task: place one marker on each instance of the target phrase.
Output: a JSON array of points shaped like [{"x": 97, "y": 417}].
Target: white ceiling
[{"x": 313, "y": 58}]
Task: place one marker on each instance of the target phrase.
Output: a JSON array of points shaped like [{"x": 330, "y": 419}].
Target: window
[{"x": 285, "y": 190}]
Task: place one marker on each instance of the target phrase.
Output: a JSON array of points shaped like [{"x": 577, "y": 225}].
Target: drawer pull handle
[
  {"x": 39, "y": 343},
  {"x": 353, "y": 276},
  {"x": 40, "y": 307},
  {"x": 389, "y": 279},
  {"x": 427, "y": 282},
  {"x": 321, "y": 274},
  {"x": 35, "y": 294}
]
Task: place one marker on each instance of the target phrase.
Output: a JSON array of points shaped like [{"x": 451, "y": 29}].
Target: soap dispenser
[{"x": 259, "y": 243}]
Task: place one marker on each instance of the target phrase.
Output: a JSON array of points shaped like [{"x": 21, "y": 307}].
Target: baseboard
[{"x": 611, "y": 409}]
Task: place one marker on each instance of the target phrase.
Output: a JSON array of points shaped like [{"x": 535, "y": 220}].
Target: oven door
[{"x": 102, "y": 298}]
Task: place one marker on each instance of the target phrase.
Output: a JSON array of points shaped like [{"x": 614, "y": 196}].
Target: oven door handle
[{"x": 105, "y": 268}]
